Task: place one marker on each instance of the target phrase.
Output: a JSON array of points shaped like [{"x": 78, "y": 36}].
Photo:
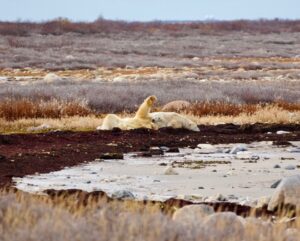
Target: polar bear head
[{"x": 193, "y": 126}]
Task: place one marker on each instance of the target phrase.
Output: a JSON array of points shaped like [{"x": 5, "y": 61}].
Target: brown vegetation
[
  {"x": 230, "y": 109},
  {"x": 24, "y": 108},
  {"x": 61, "y": 26}
]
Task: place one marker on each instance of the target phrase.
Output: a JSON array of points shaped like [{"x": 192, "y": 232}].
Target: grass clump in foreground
[{"x": 72, "y": 217}]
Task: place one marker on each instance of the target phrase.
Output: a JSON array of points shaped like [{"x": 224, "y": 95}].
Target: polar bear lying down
[
  {"x": 140, "y": 120},
  {"x": 174, "y": 120},
  {"x": 144, "y": 119}
]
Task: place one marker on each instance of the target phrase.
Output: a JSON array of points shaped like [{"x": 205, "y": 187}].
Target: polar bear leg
[{"x": 145, "y": 107}]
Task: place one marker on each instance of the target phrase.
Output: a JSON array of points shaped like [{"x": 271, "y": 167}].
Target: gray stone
[
  {"x": 176, "y": 105},
  {"x": 263, "y": 201},
  {"x": 287, "y": 192},
  {"x": 290, "y": 167},
  {"x": 291, "y": 234},
  {"x": 122, "y": 194},
  {"x": 2, "y": 158},
  {"x": 282, "y": 132},
  {"x": 226, "y": 226},
  {"x": 191, "y": 213},
  {"x": 236, "y": 149},
  {"x": 257, "y": 229},
  {"x": 170, "y": 171},
  {"x": 293, "y": 149},
  {"x": 108, "y": 156},
  {"x": 276, "y": 166},
  {"x": 275, "y": 184}
]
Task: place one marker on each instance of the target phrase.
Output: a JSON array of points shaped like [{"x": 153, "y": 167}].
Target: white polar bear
[
  {"x": 140, "y": 120},
  {"x": 174, "y": 120}
]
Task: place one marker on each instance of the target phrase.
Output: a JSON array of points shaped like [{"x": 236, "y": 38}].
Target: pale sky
[{"x": 147, "y": 10}]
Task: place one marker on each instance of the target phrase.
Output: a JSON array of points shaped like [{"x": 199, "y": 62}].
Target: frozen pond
[{"x": 240, "y": 172}]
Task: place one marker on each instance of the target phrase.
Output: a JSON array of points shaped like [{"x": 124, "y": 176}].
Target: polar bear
[
  {"x": 174, "y": 120},
  {"x": 141, "y": 119}
]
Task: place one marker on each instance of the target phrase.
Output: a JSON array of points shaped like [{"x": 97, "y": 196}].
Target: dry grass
[
  {"x": 16, "y": 109},
  {"x": 221, "y": 108},
  {"x": 268, "y": 114},
  {"x": 262, "y": 114},
  {"x": 27, "y": 217}
]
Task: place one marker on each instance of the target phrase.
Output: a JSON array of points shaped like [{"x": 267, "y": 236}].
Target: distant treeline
[{"x": 61, "y": 26}]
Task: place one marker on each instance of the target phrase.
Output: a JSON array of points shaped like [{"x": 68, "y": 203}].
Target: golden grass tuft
[{"x": 72, "y": 217}]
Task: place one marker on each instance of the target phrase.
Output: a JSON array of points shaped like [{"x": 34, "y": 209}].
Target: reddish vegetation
[
  {"x": 24, "y": 108},
  {"x": 221, "y": 108},
  {"x": 61, "y": 26}
]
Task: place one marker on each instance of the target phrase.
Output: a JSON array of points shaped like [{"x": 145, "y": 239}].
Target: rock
[
  {"x": 192, "y": 198},
  {"x": 263, "y": 229},
  {"x": 123, "y": 194},
  {"x": 170, "y": 171},
  {"x": 195, "y": 58},
  {"x": 225, "y": 226},
  {"x": 3, "y": 79},
  {"x": 282, "y": 143},
  {"x": 263, "y": 201},
  {"x": 291, "y": 234},
  {"x": 226, "y": 150},
  {"x": 156, "y": 151},
  {"x": 290, "y": 167},
  {"x": 276, "y": 166},
  {"x": 39, "y": 128},
  {"x": 293, "y": 150},
  {"x": 246, "y": 155},
  {"x": 173, "y": 149},
  {"x": 287, "y": 193},
  {"x": 237, "y": 149},
  {"x": 51, "y": 77},
  {"x": 69, "y": 57},
  {"x": 205, "y": 146},
  {"x": 119, "y": 79},
  {"x": 164, "y": 148},
  {"x": 275, "y": 184},
  {"x": 205, "y": 149},
  {"x": 2, "y": 158},
  {"x": 109, "y": 156},
  {"x": 177, "y": 105},
  {"x": 191, "y": 213},
  {"x": 282, "y": 132},
  {"x": 219, "y": 197}
]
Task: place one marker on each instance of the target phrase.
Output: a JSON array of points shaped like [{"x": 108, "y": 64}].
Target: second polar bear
[
  {"x": 140, "y": 120},
  {"x": 174, "y": 120}
]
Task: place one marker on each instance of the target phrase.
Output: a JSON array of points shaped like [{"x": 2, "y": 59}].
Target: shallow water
[{"x": 248, "y": 177}]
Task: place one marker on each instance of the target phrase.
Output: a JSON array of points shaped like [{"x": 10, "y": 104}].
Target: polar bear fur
[
  {"x": 174, "y": 120},
  {"x": 141, "y": 119}
]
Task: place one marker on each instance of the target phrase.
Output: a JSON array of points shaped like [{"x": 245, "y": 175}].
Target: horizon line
[{"x": 149, "y": 21}]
